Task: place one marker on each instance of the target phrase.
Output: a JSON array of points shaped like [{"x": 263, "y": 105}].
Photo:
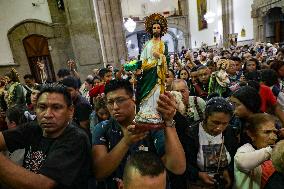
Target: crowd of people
[{"x": 222, "y": 111}]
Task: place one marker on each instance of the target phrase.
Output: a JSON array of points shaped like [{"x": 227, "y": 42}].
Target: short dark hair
[
  {"x": 119, "y": 84},
  {"x": 217, "y": 104},
  {"x": 70, "y": 82},
  {"x": 16, "y": 114},
  {"x": 100, "y": 103},
  {"x": 37, "y": 87},
  {"x": 253, "y": 76},
  {"x": 146, "y": 163},
  {"x": 103, "y": 72},
  {"x": 269, "y": 77},
  {"x": 29, "y": 76},
  {"x": 224, "y": 51},
  {"x": 276, "y": 65},
  {"x": 235, "y": 58},
  {"x": 63, "y": 72},
  {"x": 108, "y": 65},
  {"x": 249, "y": 97},
  {"x": 57, "y": 88},
  {"x": 202, "y": 67},
  {"x": 89, "y": 81}
]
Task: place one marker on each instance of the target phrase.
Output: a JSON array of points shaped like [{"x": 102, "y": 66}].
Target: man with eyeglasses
[{"x": 116, "y": 139}]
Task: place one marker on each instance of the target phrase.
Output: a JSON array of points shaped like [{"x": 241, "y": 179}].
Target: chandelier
[
  {"x": 210, "y": 15},
  {"x": 130, "y": 25}
]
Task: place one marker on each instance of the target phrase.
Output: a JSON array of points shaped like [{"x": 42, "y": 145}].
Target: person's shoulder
[
  {"x": 31, "y": 126},
  {"x": 105, "y": 126},
  {"x": 30, "y": 130},
  {"x": 276, "y": 179},
  {"x": 264, "y": 88},
  {"x": 246, "y": 148},
  {"x": 74, "y": 132}
]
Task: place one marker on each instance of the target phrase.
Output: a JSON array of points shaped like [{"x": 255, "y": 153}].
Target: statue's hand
[{"x": 156, "y": 54}]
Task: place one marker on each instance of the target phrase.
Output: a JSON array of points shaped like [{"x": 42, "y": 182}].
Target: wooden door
[{"x": 36, "y": 47}]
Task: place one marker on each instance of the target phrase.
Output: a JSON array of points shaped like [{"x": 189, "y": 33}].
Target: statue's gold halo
[{"x": 156, "y": 18}]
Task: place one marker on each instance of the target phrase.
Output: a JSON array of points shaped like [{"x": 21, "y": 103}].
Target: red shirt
[
  {"x": 99, "y": 89},
  {"x": 267, "y": 97},
  {"x": 267, "y": 170}
]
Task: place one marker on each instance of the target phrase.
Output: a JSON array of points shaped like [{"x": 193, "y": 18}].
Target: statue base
[{"x": 149, "y": 126}]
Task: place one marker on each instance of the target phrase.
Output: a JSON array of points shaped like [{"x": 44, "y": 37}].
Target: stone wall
[
  {"x": 71, "y": 35},
  {"x": 83, "y": 30},
  {"x": 259, "y": 10},
  {"x": 111, "y": 30},
  {"x": 58, "y": 41}
]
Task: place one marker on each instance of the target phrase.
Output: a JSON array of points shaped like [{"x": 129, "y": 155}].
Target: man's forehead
[
  {"x": 116, "y": 93},
  {"x": 53, "y": 98},
  {"x": 179, "y": 86}
]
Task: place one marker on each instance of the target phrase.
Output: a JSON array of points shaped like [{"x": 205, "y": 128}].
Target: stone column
[
  {"x": 111, "y": 31},
  {"x": 225, "y": 22},
  {"x": 231, "y": 16},
  {"x": 255, "y": 22},
  {"x": 185, "y": 12},
  {"x": 84, "y": 35},
  {"x": 60, "y": 43}
]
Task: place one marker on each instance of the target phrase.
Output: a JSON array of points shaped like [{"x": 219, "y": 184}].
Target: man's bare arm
[{"x": 15, "y": 176}]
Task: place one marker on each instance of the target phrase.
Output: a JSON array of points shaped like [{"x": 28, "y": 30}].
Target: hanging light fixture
[
  {"x": 155, "y": 1},
  {"x": 210, "y": 15},
  {"x": 130, "y": 25}
]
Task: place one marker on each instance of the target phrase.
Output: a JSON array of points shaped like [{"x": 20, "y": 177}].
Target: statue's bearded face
[{"x": 156, "y": 30}]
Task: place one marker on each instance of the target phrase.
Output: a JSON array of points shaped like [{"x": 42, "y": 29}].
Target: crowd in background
[{"x": 229, "y": 117}]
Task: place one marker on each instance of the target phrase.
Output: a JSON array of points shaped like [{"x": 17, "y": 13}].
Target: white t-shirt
[{"x": 209, "y": 152}]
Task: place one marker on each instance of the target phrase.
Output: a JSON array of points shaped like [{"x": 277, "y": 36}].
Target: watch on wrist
[{"x": 172, "y": 124}]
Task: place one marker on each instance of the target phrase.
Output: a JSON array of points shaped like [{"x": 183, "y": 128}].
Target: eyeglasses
[{"x": 118, "y": 101}]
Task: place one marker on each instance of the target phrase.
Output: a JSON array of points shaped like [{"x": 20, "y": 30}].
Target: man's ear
[{"x": 71, "y": 112}]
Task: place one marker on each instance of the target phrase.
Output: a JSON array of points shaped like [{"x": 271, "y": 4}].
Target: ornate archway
[
  {"x": 21, "y": 31},
  {"x": 36, "y": 47}
]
